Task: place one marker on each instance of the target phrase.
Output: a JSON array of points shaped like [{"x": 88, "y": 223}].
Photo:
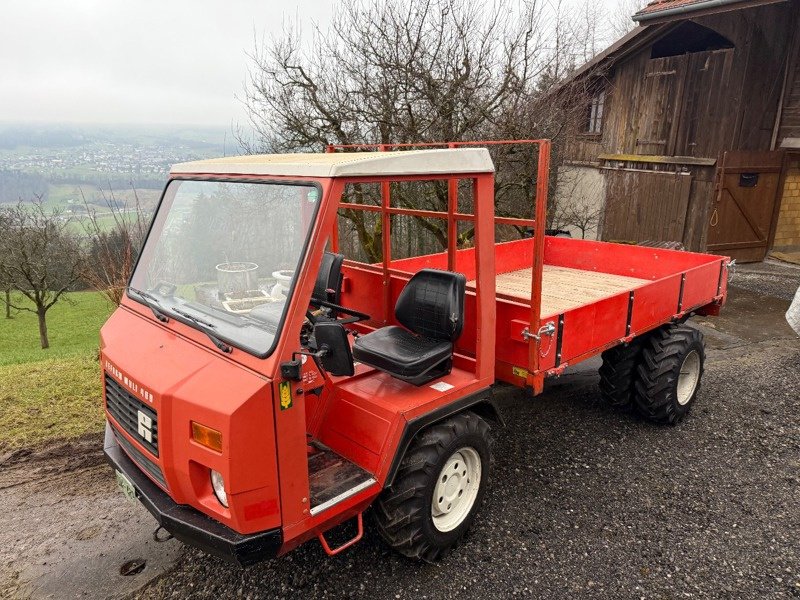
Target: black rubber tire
[
  {"x": 656, "y": 396},
  {"x": 403, "y": 511},
  {"x": 618, "y": 373}
]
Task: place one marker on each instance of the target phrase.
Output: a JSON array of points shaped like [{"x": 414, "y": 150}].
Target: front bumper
[{"x": 187, "y": 524}]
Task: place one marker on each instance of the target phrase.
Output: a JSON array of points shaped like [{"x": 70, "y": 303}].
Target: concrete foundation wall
[
  {"x": 578, "y": 201},
  {"x": 787, "y": 234}
]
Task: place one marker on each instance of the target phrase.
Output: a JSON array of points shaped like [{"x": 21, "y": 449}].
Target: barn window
[
  {"x": 595, "y": 113},
  {"x": 689, "y": 37}
]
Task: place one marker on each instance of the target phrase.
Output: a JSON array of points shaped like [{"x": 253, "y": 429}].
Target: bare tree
[
  {"x": 619, "y": 19},
  {"x": 584, "y": 216},
  {"x": 39, "y": 257},
  {"x": 5, "y": 283},
  {"x": 388, "y": 71},
  {"x": 114, "y": 238},
  {"x": 395, "y": 71}
]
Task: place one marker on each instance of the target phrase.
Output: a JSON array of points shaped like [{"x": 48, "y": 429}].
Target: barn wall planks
[
  {"x": 696, "y": 105},
  {"x": 701, "y": 104},
  {"x": 790, "y": 116},
  {"x": 645, "y": 206}
]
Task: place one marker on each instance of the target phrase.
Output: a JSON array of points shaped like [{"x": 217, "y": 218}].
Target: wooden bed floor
[{"x": 564, "y": 289}]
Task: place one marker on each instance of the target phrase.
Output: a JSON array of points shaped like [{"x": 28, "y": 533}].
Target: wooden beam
[{"x": 665, "y": 160}]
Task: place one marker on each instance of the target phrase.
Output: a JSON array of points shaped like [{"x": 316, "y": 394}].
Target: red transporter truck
[{"x": 261, "y": 390}]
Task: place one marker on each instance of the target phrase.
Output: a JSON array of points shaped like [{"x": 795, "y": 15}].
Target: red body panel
[{"x": 192, "y": 383}]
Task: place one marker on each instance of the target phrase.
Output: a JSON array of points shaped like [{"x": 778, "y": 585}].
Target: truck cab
[{"x": 260, "y": 389}]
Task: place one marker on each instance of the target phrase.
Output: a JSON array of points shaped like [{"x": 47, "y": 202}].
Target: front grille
[
  {"x": 140, "y": 459},
  {"x": 133, "y": 415}
]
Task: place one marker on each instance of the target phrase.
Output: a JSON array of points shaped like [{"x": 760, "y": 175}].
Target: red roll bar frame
[{"x": 538, "y": 223}]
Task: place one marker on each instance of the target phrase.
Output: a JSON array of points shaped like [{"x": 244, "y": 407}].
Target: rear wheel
[
  {"x": 438, "y": 489},
  {"x": 618, "y": 373},
  {"x": 668, "y": 377}
]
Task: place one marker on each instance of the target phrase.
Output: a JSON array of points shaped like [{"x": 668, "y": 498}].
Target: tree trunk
[
  {"x": 41, "y": 313},
  {"x": 8, "y": 303}
]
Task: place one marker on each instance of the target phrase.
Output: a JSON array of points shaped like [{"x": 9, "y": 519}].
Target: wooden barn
[{"x": 692, "y": 129}]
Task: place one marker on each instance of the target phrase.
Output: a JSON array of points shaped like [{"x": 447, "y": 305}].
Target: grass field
[
  {"x": 73, "y": 325},
  {"x": 53, "y": 393}
]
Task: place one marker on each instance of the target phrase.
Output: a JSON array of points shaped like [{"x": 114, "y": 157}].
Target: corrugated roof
[{"x": 347, "y": 164}]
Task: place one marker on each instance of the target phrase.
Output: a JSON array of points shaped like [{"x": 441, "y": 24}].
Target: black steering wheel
[{"x": 355, "y": 316}]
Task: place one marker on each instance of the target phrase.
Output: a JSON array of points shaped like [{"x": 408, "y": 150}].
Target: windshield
[{"x": 221, "y": 257}]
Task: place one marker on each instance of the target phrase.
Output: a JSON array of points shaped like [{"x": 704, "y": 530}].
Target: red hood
[{"x": 185, "y": 382}]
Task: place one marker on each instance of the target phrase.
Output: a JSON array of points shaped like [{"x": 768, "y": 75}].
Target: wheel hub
[
  {"x": 688, "y": 378},
  {"x": 456, "y": 489}
]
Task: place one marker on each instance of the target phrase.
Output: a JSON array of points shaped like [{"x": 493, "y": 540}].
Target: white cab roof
[{"x": 347, "y": 164}]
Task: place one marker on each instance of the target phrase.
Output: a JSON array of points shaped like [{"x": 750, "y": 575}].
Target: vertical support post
[
  {"x": 452, "y": 224},
  {"x": 535, "y": 378},
  {"x": 486, "y": 306},
  {"x": 386, "y": 241},
  {"x": 330, "y": 149}
]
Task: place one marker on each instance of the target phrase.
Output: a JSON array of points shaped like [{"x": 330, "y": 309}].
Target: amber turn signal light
[{"x": 205, "y": 436}]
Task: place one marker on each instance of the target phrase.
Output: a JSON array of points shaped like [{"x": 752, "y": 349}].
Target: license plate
[{"x": 126, "y": 487}]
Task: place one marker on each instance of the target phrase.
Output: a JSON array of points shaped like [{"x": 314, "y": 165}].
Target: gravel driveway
[
  {"x": 588, "y": 502},
  {"x": 584, "y": 501}
]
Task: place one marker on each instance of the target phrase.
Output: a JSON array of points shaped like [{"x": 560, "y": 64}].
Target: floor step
[{"x": 333, "y": 478}]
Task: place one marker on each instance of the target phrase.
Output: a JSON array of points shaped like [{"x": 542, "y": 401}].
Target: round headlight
[{"x": 218, "y": 483}]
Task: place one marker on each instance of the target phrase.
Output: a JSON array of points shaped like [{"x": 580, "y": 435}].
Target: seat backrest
[
  {"x": 432, "y": 304},
  {"x": 329, "y": 277}
]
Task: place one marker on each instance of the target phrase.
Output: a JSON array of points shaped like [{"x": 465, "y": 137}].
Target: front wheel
[{"x": 440, "y": 485}]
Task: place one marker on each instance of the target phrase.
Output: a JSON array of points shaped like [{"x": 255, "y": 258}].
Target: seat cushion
[
  {"x": 400, "y": 352},
  {"x": 432, "y": 304}
]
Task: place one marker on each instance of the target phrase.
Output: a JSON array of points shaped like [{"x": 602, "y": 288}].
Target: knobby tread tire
[
  {"x": 402, "y": 512},
  {"x": 618, "y": 373},
  {"x": 657, "y": 375}
]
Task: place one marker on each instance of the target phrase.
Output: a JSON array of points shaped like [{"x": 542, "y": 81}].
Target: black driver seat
[
  {"x": 328, "y": 286},
  {"x": 431, "y": 308}
]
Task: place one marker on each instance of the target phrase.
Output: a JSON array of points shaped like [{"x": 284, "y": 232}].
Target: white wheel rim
[
  {"x": 690, "y": 375},
  {"x": 456, "y": 489}
]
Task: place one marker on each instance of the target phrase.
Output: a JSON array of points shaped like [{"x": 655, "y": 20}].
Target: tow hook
[
  {"x": 545, "y": 330},
  {"x": 160, "y": 537}
]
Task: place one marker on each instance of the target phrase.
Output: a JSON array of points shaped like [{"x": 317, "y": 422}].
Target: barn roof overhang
[
  {"x": 665, "y": 11},
  {"x": 625, "y": 46}
]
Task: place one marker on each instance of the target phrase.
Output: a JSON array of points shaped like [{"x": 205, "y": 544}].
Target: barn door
[
  {"x": 743, "y": 213},
  {"x": 658, "y": 105},
  {"x": 645, "y": 205}
]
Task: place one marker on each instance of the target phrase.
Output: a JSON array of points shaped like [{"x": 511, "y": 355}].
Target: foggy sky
[{"x": 138, "y": 61}]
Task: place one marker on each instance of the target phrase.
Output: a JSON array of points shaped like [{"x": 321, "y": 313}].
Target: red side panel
[
  {"x": 655, "y": 303},
  {"x": 592, "y": 326},
  {"x": 701, "y": 284}
]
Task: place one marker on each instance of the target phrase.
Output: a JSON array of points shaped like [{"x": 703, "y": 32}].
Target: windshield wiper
[
  {"x": 205, "y": 327},
  {"x": 151, "y": 302}
]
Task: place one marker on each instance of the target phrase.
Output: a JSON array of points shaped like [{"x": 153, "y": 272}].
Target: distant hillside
[
  {"x": 33, "y": 156},
  {"x": 16, "y": 185}
]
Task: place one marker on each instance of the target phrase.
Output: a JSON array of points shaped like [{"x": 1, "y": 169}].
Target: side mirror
[{"x": 334, "y": 353}]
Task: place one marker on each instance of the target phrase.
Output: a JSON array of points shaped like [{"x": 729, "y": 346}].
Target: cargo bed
[
  {"x": 594, "y": 295},
  {"x": 563, "y": 288},
  {"x": 557, "y": 300}
]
